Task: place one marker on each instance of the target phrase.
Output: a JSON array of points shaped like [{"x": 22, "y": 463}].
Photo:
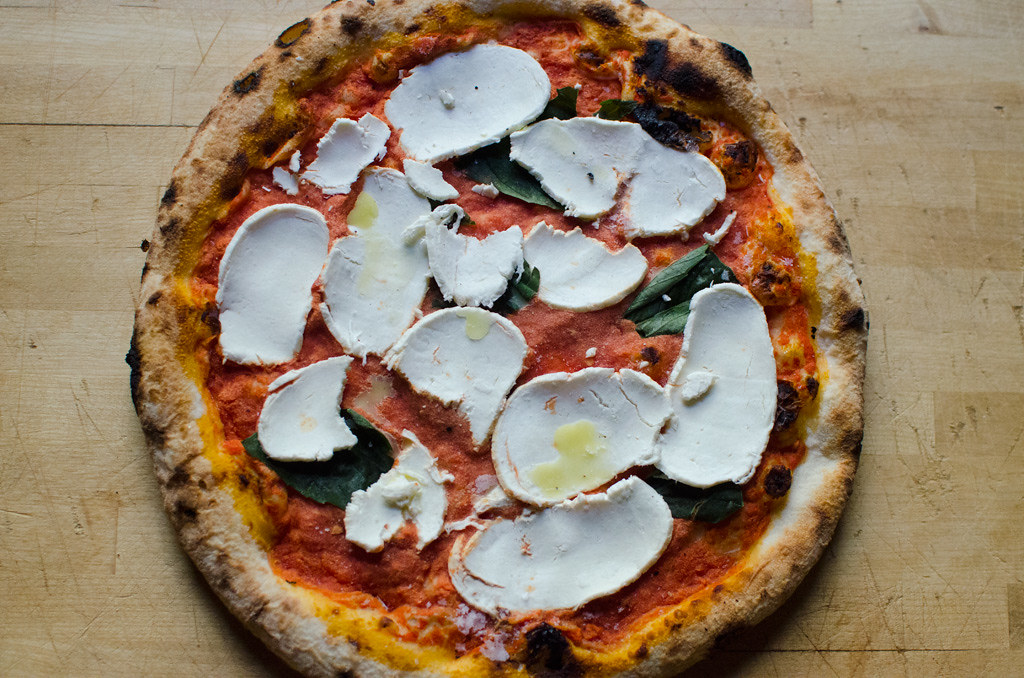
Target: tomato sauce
[{"x": 413, "y": 587}]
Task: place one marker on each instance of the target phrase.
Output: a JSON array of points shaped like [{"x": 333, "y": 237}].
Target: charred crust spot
[
  {"x": 837, "y": 241},
  {"x": 344, "y": 674},
  {"x": 548, "y": 652},
  {"x": 269, "y": 147},
  {"x": 187, "y": 512},
  {"x": 135, "y": 366},
  {"x": 602, "y": 14},
  {"x": 290, "y": 35},
  {"x": 852, "y": 319},
  {"x": 154, "y": 298},
  {"x": 144, "y": 245},
  {"x": 371, "y": 3},
  {"x": 243, "y": 86},
  {"x": 641, "y": 652},
  {"x": 852, "y": 440},
  {"x": 145, "y": 270},
  {"x": 650, "y": 354},
  {"x": 736, "y": 58},
  {"x": 234, "y": 176},
  {"x": 321, "y": 65},
  {"x": 689, "y": 80},
  {"x": 787, "y": 406},
  {"x": 351, "y": 25},
  {"x": 179, "y": 477},
  {"x": 170, "y": 227},
  {"x": 812, "y": 387},
  {"x": 777, "y": 481},
  {"x": 652, "y": 62},
  {"x": 638, "y": 3},
  {"x": 170, "y": 195},
  {"x": 671, "y": 127},
  {"x": 412, "y": 28}
]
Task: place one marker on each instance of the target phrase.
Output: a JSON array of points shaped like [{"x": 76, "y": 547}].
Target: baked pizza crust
[{"x": 255, "y": 124}]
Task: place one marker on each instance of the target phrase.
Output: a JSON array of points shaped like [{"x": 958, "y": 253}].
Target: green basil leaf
[
  {"x": 616, "y": 109},
  {"x": 519, "y": 291},
  {"x": 711, "y": 505},
  {"x": 334, "y": 481},
  {"x": 666, "y": 280},
  {"x": 563, "y": 106},
  {"x": 491, "y": 165},
  {"x": 670, "y": 321}
]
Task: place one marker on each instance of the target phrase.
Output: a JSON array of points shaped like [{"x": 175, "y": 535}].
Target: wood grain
[{"x": 912, "y": 112}]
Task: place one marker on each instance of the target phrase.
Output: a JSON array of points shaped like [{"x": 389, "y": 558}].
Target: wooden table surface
[{"x": 913, "y": 114}]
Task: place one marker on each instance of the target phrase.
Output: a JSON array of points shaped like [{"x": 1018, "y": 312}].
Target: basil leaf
[
  {"x": 670, "y": 321},
  {"x": 563, "y": 106},
  {"x": 711, "y": 505},
  {"x": 519, "y": 291},
  {"x": 666, "y": 280},
  {"x": 334, "y": 481},
  {"x": 616, "y": 109},
  {"x": 491, "y": 165}
]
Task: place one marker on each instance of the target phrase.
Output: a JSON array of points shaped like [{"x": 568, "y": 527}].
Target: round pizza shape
[{"x": 498, "y": 338}]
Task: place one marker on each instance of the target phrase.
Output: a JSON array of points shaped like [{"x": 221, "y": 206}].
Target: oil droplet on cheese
[
  {"x": 581, "y": 464},
  {"x": 376, "y": 262},
  {"x": 369, "y": 401},
  {"x": 364, "y": 212},
  {"x": 478, "y": 323}
]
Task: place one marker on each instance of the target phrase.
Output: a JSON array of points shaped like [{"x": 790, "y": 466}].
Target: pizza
[{"x": 498, "y": 338}]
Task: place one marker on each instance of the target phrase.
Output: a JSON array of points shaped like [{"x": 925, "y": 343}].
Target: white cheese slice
[
  {"x": 578, "y": 273},
  {"x": 467, "y": 356},
  {"x": 722, "y": 389},
  {"x": 561, "y": 434},
  {"x": 580, "y": 162},
  {"x": 671, "y": 191},
  {"x": 563, "y": 556},
  {"x": 471, "y": 271},
  {"x": 584, "y": 162},
  {"x": 413, "y": 490},
  {"x": 428, "y": 181},
  {"x": 264, "y": 289},
  {"x": 374, "y": 282},
  {"x": 286, "y": 180},
  {"x": 300, "y": 419},
  {"x": 343, "y": 152},
  {"x": 462, "y": 101}
]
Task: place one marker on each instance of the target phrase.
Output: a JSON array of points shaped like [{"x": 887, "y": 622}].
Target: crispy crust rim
[{"x": 252, "y": 125}]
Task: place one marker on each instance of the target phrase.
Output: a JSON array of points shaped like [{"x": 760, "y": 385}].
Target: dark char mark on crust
[
  {"x": 686, "y": 78},
  {"x": 602, "y": 14},
  {"x": 243, "y": 86},
  {"x": 234, "y": 176},
  {"x": 852, "y": 320},
  {"x": 135, "y": 367},
  {"x": 351, "y": 25},
  {"x": 290, "y": 35},
  {"x": 548, "y": 653},
  {"x": 736, "y": 58},
  {"x": 170, "y": 195}
]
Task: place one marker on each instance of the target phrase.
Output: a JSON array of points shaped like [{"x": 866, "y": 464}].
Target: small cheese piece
[
  {"x": 564, "y": 556},
  {"x": 428, "y": 181},
  {"x": 584, "y": 162},
  {"x": 467, "y": 356},
  {"x": 462, "y": 101},
  {"x": 264, "y": 289},
  {"x": 286, "y": 180},
  {"x": 471, "y": 271},
  {"x": 722, "y": 389},
  {"x": 413, "y": 490},
  {"x": 494, "y": 498},
  {"x": 346, "y": 149},
  {"x": 300, "y": 420},
  {"x": 295, "y": 162},
  {"x": 486, "y": 190},
  {"x": 373, "y": 281},
  {"x": 671, "y": 191},
  {"x": 716, "y": 237},
  {"x": 591, "y": 352},
  {"x": 581, "y": 161},
  {"x": 578, "y": 273},
  {"x": 561, "y": 434}
]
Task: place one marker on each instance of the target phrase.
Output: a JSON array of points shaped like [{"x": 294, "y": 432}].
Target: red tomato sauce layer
[{"x": 413, "y": 587}]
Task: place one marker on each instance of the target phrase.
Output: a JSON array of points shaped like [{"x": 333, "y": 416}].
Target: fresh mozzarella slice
[
  {"x": 672, "y": 191},
  {"x": 467, "y": 356},
  {"x": 564, "y": 556},
  {"x": 578, "y": 273},
  {"x": 722, "y": 389},
  {"x": 374, "y": 282},
  {"x": 264, "y": 289},
  {"x": 286, "y": 180},
  {"x": 462, "y": 101},
  {"x": 471, "y": 271},
  {"x": 411, "y": 491},
  {"x": 561, "y": 434},
  {"x": 346, "y": 149},
  {"x": 428, "y": 181},
  {"x": 300, "y": 420},
  {"x": 581, "y": 161}
]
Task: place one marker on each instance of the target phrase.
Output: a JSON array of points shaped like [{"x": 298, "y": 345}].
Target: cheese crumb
[
  {"x": 591, "y": 352},
  {"x": 486, "y": 190}
]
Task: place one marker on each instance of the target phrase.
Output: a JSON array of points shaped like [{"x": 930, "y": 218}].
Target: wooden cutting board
[{"x": 912, "y": 112}]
